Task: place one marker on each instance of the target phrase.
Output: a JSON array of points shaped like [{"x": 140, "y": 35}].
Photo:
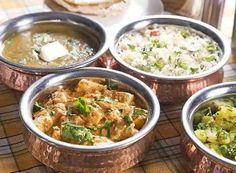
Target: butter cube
[{"x": 52, "y": 51}]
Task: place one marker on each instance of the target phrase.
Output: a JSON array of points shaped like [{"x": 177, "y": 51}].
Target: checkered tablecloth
[{"x": 163, "y": 157}]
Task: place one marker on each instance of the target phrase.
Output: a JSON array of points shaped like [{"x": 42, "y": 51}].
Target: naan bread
[
  {"x": 91, "y": 2},
  {"x": 99, "y": 9}
]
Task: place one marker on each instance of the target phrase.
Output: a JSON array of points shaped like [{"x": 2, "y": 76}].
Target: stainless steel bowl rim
[
  {"x": 211, "y": 92},
  {"x": 137, "y": 24},
  {"x": 51, "y": 79},
  {"x": 54, "y": 16}
]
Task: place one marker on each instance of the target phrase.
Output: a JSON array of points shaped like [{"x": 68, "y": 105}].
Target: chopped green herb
[
  {"x": 159, "y": 64},
  {"x": 202, "y": 67},
  {"x": 82, "y": 106},
  {"x": 210, "y": 58},
  {"x": 75, "y": 132},
  {"x": 140, "y": 112},
  {"x": 69, "y": 111},
  {"x": 52, "y": 113},
  {"x": 170, "y": 59},
  {"x": 202, "y": 126},
  {"x": 194, "y": 70},
  {"x": 228, "y": 151},
  {"x": 111, "y": 85},
  {"x": 211, "y": 47},
  {"x": 183, "y": 48},
  {"x": 177, "y": 53},
  {"x": 185, "y": 34},
  {"x": 144, "y": 52},
  {"x": 128, "y": 120},
  {"x": 182, "y": 65},
  {"x": 38, "y": 107},
  {"x": 223, "y": 137},
  {"x": 131, "y": 46},
  {"x": 158, "y": 44},
  {"x": 107, "y": 125}
]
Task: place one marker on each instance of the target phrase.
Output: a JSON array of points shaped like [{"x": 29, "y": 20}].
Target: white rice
[{"x": 169, "y": 50}]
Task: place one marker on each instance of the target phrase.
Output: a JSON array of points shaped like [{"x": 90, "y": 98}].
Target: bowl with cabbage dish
[{"x": 208, "y": 118}]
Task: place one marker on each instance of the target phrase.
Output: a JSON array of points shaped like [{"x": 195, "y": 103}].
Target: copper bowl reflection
[
  {"x": 68, "y": 157},
  {"x": 20, "y": 77},
  {"x": 198, "y": 157},
  {"x": 175, "y": 89}
]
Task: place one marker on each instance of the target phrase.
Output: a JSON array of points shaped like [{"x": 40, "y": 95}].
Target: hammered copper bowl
[
  {"x": 175, "y": 89},
  {"x": 68, "y": 157},
  {"x": 200, "y": 158},
  {"x": 20, "y": 77}
]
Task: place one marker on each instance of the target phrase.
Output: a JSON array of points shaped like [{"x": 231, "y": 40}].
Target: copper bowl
[
  {"x": 68, "y": 157},
  {"x": 175, "y": 89},
  {"x": 20, "y": 77},
  {"x": 199, "y": 158}
]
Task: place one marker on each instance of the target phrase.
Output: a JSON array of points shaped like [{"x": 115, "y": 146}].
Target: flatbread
[
  {"x": 99, "y": 9},
  {"x": 91, "y": 2}
]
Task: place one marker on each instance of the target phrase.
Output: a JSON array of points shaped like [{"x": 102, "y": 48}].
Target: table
[{"x": 164, "y": 156}]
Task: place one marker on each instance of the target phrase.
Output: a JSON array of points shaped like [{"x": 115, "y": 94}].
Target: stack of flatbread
[{"x": 94, "y": 7}]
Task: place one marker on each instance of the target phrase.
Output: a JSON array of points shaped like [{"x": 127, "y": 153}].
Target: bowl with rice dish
[{"x": 176, "y": 56}]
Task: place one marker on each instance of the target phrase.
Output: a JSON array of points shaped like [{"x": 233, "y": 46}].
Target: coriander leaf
[
  {"x": 52, "y": 113},
  {"x": 159, "y": 64},
  {"x": 107, "y": 125},
  {"x": 211, "y": 47},
  {"x": 140, "y": 112},
  {"x": 202, "y": 126},
  {"x": 75, "y": 132},
  {"x": 210, "y": 58},
  {"x": 182, "y": 65},
  {"x": 177, "y": 53},
  {"x": 82, "y": 106},
  {"x": 170, "y": 60},
  {"x": 228, "y": 151},
  {"x": 194, "y": 70},
  {"x": 128, "y": 120},
  {"x": 144, "y": 52},
  {"x": 69, "y": 111},
  {"x": 158, "y": 44},
  {"x": 183, "y": 48},
  {"x": 131, "y": 46},
  {"x": 38, "y": 107},
  {"x": 185, "y": 34},
  {"x": 111, "y": 85}
]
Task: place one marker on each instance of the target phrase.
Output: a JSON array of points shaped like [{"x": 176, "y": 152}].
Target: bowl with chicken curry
[{"x": 92, "y": 119}]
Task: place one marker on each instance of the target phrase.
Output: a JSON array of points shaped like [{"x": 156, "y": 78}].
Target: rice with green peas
[{"x": 169, "y": 50}]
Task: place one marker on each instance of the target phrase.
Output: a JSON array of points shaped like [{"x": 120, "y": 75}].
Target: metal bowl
[
  {"x": 20, "y": 77},
  {"x": 68, "y": 157},
  {"x": 200, "y": 158},
  {"x": 175, "y": 89}
]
